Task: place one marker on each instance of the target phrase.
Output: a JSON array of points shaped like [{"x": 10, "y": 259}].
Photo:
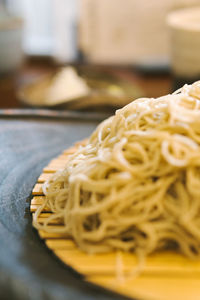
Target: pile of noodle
[{"x": 135, "y": 185}]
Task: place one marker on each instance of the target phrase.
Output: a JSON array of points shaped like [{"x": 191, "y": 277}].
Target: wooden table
[{"x": 153, "y": 85}]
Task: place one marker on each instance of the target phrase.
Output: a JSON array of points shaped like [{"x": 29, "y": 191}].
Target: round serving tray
[
  {"x": 28, "y": 270},
  {"x": 164, "y": 275}
]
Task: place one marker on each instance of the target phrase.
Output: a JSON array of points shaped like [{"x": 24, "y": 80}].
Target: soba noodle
[{"x": 135, "y": 185}]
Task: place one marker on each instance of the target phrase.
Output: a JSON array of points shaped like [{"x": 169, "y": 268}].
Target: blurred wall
[
  {"x": 127, "y": 32},
  {"x": 106, "y": 31}
]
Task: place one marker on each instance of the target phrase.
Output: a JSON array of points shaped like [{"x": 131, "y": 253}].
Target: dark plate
[
  {"x": 28, "y": 270},
  {"x": 107, "y": 91}
]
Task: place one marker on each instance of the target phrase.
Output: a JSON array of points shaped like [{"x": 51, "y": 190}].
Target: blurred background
[{"x": 85, "y": 54}]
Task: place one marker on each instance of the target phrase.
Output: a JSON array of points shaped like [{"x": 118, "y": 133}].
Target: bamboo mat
[{"x": 165, "y": 276}]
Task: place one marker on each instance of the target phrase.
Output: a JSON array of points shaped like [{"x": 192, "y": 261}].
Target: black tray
[{"x": 28, "y": 270}]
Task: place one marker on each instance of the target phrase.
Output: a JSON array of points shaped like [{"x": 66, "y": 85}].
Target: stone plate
[{"x": 28, "y": 270}]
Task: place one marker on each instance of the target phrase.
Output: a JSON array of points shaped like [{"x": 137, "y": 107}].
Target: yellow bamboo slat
[
  {"x": 34, "y": 207},
  {"x": 164, "y": 276},
  {"x": 59, "y": 161},
  {"x": 44, "y": 215},
  {"x": 60, "y": 244},
  {"x": 166, "y": 263},
  {"x": 46, "y": 235},
  {"x": 38, "y": 200},
  {"x": 37, "y": 190},
  {"x": 92, "y": 264},
  {"x": 151, "y": 288},
  {"x": 51, "y": 168},
  {"x": 44, "y": 177}
]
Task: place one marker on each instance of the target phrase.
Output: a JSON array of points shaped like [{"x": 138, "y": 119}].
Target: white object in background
[
  {"x": 50, "y": 27},
  {"x": 38, "y": 27},
  {"x": 11, "y": 53},
  {"x": 65, "y": 30},
  {"x": 38, "y": 31},
  {"x": 184, "y": 27},
  {"x": 66, "y": 85}
]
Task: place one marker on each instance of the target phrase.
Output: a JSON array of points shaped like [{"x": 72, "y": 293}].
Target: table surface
[{"x": 153, "y": 84}]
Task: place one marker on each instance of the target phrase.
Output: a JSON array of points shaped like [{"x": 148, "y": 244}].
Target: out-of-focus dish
[{"x": 79, "y": 88}]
